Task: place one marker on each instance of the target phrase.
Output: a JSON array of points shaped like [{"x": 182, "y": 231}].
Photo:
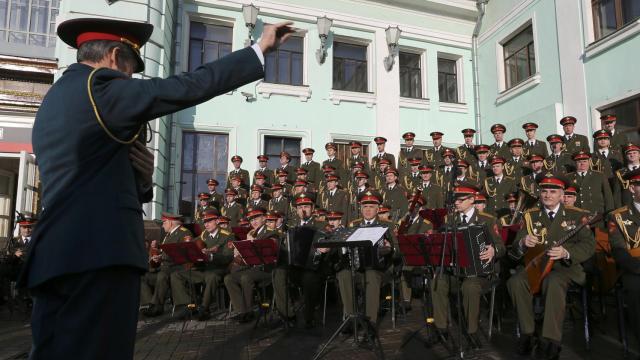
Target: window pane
[
  {"x": 518, "y": 42},
  {"x": 361, "y": 78},
  {"x": 218, "y": 33},
  {"x": 511, "y": 71},
  {"x": 416, "y": 84},
  {"x": 205, "y": 153},
  {"x": 606, "y": 15},
  {"x": 201, "y": 182},
  {"x": 292, "y": 146},
  {"x": 210, "y": 51},
  {"x": 349, "y": 51},
  {"x": 270, "y": 67},
  {"x": 195, "y": 54},
  {"x": 38, "y": 40},
  {"x": 447, "y": 66},
  {"x": 187, "y": 151},
  {"x": 452, "y": 88},
  {"x": 272, "y": 146},
  {"x": 39, "y": 13},
  {"x": 19, "y": 15},
  {"x": 410, "y": 75},
  {"x": 627, "y": 114},
  {"x": 409, "y": 60},
  {"x": 523, "y": 66},
  {"x": 225, "y": 49},
  {"x": 630, "y": 10},
  {"x": 198, "y": 30},
  {"x": 295, "y": 43},
  {"x": 4, "y": 8},
  {"x": 221, "y": 153},
  {"x": 15, "y": 37},
  {"x": 187, "y": 187},
  {"x": 532, "y": 60},
  {"x": 296, "y": 69},
  {"x": 283, "y": 68}
]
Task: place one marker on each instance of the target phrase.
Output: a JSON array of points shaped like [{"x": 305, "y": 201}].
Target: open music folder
[{"x": 372, "y": 234}]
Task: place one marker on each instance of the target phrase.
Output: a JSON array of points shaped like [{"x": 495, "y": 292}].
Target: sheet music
[{"x": 372, "y": 234}]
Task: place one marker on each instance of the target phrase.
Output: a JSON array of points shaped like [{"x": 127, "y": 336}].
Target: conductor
[{"x": 85, "y": 263}]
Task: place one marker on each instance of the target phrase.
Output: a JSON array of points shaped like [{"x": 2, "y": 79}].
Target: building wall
[
  {"x": 157, "y": 55},
  {"x": 541, "y": 100},
  {"x": 324, "y": 114}
]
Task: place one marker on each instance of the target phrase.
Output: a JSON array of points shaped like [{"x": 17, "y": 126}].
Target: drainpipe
[{"x": 481, "y": 5}]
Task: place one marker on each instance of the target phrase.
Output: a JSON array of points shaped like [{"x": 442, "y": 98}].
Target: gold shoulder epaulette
[
  {"x": 354, "y": 222},
  {"x": 620, "y": 210},
  {"x": 486, "y": 214},
  {"x": 426, "y": 221},
  {"x": 576, "y": 209},
  {"x": 533, "y": 209},
  {"x": 225, "y": 232},
  {"x": 509, "y": 177},
  {"x": 182, "y": 228}
]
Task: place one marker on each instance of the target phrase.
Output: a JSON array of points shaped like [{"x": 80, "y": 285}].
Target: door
[{"x": 6, "y": 198}]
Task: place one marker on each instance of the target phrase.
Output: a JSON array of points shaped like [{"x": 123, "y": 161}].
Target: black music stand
[
  {"x": 357, "y": 317},
  {"x": 184, "y": 253},
  {"x": 257, "y": 253}
]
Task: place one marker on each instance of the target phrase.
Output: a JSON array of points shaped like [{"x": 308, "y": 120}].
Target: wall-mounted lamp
[
  {"x": 324, "y": 25},
  {"x": 393, "y": 36},
  {"x": 250, "y": 13}
]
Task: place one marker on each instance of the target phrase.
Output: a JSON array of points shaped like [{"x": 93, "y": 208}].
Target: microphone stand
[{"x": 450, "y": 232}]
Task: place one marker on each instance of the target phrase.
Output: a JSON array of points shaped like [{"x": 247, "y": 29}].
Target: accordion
[{"x": 476, "y": 241}]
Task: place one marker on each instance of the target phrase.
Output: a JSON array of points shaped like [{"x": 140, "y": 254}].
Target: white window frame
[
  {"x": 424, "y": 102},
  {"x": 303, "y": 135},
  {"x": 461, "y": 106},
  {"x": 504, "y": 93},
  {"x": 187, "y": 18},
  {"x": 369, "y": 98},
  {"x": 302, "y": 92}
]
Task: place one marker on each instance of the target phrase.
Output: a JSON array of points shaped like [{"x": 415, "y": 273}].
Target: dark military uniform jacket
[
  {"x": 405, "y": 154},
  {"x": 443, "y": 178},
  {"x": 352, "y": 160},
  {"x": 580, "y": 247},
  {"x": 410, "y": 180},
  {"x": 433, "y": 156},
  {"x": 539, "y": 147},
  {"x": 618, "y": 140},
  {"x": 595, "y": 192},
  {"x": 14, "y": 262},
  {"x": 102, "y": 171},
  {"x": 621, "y": 193},
  {"x": 222, "y": 239},
  {"x": 177, "y": 235},
  {"x": 291, "y": 172},
  {"x": 244, "y": 175},
  {"x": 559, "y": 164},
  {"x": 419, "y": 225},
  {"x": 254, "y": 204},
  {"x": 339, "y": 201},
  {"x": 234, "y": 212},
  {"x": 433, "y": 195},
  {"x": 280, "y": 204},
  {"x": 502, "y": 151},
  {"x": 496, "y": 202},
  {"x": 528, "y": 183},
  {"x": 269, "y": 176},
  {"x": 338, "y": 164},
  {"x": 397, "y": 200},
  {"x": 200, "y": 212},
  {"x": 467, "y": 153},
  {"x": 624, "y": 236},
  {"x": 376, "y": 158},
  {"x": 514, "y": 168},
  {"x": 609, "y": 164},
  {"x": 480, "y": 171},
  {"x": 216, "y": 200},
  {"x": 314, "y": 173},
  {"x": 576, "y": 143}
]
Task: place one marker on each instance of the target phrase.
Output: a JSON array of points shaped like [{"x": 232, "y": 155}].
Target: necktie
[
  {"x": 604, "y": 154},
  {"x": 482, "y": 164},
  {"x": 568, "y": 137},
  {"x": 390, "y": 187},
  {"x": 635, "y": 167},
  {"x": 379, "y": 156},
  {"x": 498, "y": 180},
  {"x": 551, "y": 215},
  {"x": 464, "y": 218},
  {"x": 530, "y": 143}
]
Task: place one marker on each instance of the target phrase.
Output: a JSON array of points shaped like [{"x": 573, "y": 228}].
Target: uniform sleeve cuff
[{"x": 258, "y": 51}]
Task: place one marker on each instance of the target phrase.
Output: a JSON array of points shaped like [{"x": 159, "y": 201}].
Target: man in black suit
[{"x": 82, "y": 138}]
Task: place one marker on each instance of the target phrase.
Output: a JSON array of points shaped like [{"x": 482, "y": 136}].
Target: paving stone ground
[{"x": 167, "y": 338}]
